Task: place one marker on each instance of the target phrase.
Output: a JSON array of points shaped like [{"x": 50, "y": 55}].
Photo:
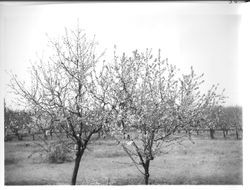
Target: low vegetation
[{"x": 205, "y": 162}]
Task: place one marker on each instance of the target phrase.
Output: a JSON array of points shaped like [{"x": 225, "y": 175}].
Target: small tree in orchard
[
  {"x": 42, "y": 123},
  {"x": 213, "y": 112},
  {"x": 59, "y": 90},
  {"x": 149, "y": 102},
  {"x": 223, "y": 122}
]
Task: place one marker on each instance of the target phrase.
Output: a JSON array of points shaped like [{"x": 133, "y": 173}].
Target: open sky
[{"x": 204, "y": 35}]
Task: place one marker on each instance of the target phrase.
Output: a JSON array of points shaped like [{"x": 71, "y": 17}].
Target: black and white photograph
[{"x": 123, "y": 93}]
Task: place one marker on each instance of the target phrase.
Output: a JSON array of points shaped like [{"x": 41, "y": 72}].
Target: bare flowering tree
[
  {"x": 149, "y": 102},
  {"x": 59, "y": 90}
]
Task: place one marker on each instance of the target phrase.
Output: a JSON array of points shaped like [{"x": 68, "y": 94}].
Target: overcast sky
[{"x": 204, "y": 35}]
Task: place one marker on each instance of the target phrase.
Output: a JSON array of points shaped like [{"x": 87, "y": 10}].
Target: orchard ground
[{"x": 207, "y": 161}]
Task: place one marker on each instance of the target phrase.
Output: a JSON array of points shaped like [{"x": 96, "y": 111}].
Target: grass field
[{"x": 205, "y": 162}]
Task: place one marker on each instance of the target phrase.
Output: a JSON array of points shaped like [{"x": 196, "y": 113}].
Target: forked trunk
[{"x": 80, "y": 150}]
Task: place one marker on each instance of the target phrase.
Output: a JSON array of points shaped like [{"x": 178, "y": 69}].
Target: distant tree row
[
  {"x": 230, "y": 119},
  {"x": 22, "y": 123},
  {"x": 16, "y": 122}
]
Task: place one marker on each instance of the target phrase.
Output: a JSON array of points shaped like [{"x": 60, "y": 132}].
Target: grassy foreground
[{"x": 105, "y": 163}]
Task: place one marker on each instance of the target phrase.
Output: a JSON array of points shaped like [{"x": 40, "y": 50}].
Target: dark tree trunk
[
  {"x": 51, "y": 134},
  {"x": 19, "y": 136},
  {"x": 237, "y": 134},
  {"x": 224, "y": 133},
  {"x": 5, "y": 134},
  {"x": 44, "y": 135},
  {"x": 197, "y": 131},
  {"x": 80, "y": 150},
  {"x": 99, "y": 135},
  {"x": 77, "y": 164},
  {"x": 33, "y": 136},
  {"x": 146, "y": 174},
  {"x": 211, "y": 133}
]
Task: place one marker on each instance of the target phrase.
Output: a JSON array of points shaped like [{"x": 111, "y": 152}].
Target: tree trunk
[
  {"x": 44, "y": 135},
  {"x": 197, "y": 131},
  {"x": 19, "y": 137},
  {"x": 146, "y": 174},
  {"x": 77, "y": 164},
  {"x": 224, "y": 133},
  {"x": 33, "y": 136},
  {"x": 99, "y": 135},
  {"x": 211, "y": 133},
  {"x": 237, "y": 134},
  {"x": 51, "y": 134}
]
